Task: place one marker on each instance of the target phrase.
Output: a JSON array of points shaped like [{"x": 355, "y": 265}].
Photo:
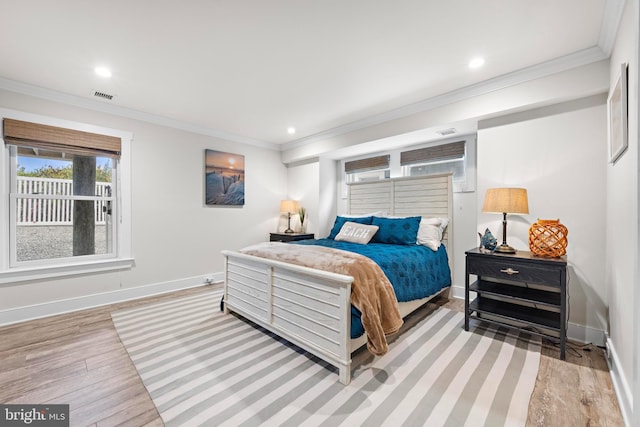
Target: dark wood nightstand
[
  {"x": 290, "y": 237},
  {"x": 520, "y": 290}
]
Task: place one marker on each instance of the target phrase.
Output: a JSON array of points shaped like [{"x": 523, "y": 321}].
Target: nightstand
[
  {"x": 290, "y": 237},
  {"x": 520, "y": 291}
]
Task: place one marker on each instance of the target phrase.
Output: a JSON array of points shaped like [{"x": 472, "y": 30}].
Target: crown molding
[
  {"x": 544, "y": 69},
  {"x": 611, "y": 18},
  {"x": 103, "y": 107}
]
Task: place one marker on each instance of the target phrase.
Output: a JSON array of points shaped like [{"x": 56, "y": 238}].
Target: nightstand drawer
[{"x": 508, "y": 269}]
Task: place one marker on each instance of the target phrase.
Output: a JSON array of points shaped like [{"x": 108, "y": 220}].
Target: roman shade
[
  {"x": 370, "y": 163},
  {"x": 451, "y": 151},
  {"x": 52, "y": 138}
]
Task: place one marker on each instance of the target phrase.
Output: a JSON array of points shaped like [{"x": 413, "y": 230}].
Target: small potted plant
[{"x": 302, "y": 214}]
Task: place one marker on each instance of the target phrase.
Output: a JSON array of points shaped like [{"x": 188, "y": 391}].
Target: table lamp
[
  {"x": 504, "y": 201},
  {"x": 288, "y": 207}
]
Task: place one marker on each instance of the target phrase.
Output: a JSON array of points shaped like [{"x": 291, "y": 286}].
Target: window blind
[
  {"x": 370, "y": 163},
  {"x": 451, "y": 151},
  {"x": 52, "y": 138}
]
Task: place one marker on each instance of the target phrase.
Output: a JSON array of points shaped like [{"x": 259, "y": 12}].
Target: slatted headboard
[{"x": 429, "y": 196}]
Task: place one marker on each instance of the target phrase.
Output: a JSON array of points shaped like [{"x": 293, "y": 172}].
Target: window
[
  {"x": 435, "y": 159},
  {"x": 63, "y": 205},
  {"x": 368, "y": 169},
  {"x": 456, "y": 157},
  {"x": 67, "y": 202}
]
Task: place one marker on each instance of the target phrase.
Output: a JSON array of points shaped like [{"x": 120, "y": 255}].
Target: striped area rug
[{"x": 202, "y": 367}]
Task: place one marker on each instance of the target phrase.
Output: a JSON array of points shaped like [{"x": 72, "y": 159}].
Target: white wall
[
  {"x": 313, "y": 183},
  {"x": 621, "y": 232},
  {"x": 328, "y": 195},
  {"x": 559, "y": 155},
  {"x": 465, "y": 237},
  {"x": 303, "y": 183},
  {"x": 176, "y": 238}
]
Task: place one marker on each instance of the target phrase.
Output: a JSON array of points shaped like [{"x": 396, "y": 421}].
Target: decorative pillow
[
  {"x": 340, "y": 220},
  {"x": 397, "y": 231},
  {"x": 431, "y": 231},
  {"x": 356, "y": 233}
]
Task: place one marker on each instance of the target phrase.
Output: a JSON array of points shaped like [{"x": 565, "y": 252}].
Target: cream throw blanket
[{"x": 371, "y": 291}]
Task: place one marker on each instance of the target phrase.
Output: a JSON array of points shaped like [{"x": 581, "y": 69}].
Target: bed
[{"x": 312, "y": 307}]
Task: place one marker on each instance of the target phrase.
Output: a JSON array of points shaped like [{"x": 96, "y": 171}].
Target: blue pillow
[
  {"x": 340, "y": 220},
  {"x": 396, "y": 231}
]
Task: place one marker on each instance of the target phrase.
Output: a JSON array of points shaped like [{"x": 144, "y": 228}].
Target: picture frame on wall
[
  {"x": 224, "y": 178},
  {"x": 617, "y": 112}
]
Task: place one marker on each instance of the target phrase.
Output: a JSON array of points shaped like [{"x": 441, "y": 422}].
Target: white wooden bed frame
[{"x": 311, "y": 308}]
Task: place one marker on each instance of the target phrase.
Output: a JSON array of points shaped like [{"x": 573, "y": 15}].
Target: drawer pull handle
[{"x": 509, "y": 271}]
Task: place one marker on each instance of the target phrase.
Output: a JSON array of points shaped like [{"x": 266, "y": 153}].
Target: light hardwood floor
[
  {"x": 78, "y": 359},
  {"x": 575, "y": 392}
]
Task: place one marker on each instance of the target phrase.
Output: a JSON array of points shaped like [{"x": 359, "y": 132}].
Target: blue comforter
[{"x": 415, "y": 271}]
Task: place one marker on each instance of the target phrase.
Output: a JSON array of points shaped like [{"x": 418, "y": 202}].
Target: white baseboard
[
  {"x": 38, "y": 311},
  {"x": 620, "y": 383},
  {"x": 586, "y": 334},
  {"x": 457, "y": 292}
]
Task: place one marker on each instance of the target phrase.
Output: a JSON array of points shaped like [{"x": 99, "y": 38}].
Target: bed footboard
[{"x": 309, "y": 308}]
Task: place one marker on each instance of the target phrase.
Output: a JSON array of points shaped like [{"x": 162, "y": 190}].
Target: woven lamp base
[{"x": 548, "y": 238}]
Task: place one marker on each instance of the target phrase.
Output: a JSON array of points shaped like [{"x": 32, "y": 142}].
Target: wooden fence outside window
[{"x": 52, "y": 211}]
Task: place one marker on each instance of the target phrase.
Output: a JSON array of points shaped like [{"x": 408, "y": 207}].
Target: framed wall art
[
  {"x": 224, "y": 178},
  {"x": 617, "y": 112}
]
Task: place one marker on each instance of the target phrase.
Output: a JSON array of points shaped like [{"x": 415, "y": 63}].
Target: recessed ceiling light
[
  {"x": 102, "y": 72},
  {"x": 291, "y": 130},
  {"x": 476, "y": 62}
]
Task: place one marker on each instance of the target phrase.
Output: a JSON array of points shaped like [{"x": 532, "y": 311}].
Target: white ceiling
[{"x": 248, "y": 69}]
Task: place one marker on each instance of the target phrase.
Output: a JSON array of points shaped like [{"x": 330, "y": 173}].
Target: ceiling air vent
[{"x": 102, "y": 95}]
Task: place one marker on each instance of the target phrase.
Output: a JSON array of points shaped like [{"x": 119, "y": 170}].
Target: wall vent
[
  {"x": 445, "y": 132},
  {"x": 103, "y": 95}
]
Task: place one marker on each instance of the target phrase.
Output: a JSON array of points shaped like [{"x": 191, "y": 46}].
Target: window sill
[{"x": 24, "y": 274}]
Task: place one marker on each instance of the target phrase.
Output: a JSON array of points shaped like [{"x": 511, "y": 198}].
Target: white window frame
[{"x": 44, "y": 269}]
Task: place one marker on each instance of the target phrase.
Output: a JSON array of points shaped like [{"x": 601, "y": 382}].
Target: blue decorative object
[{"x": 488, "y": 240}]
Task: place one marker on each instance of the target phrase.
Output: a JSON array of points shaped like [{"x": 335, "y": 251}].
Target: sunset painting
[{"x": 224, "y": 178}]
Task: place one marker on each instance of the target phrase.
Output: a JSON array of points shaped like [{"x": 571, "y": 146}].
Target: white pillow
[
  {"x": 431, "y": 231},
  {"x": 356, "y": 233}
]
